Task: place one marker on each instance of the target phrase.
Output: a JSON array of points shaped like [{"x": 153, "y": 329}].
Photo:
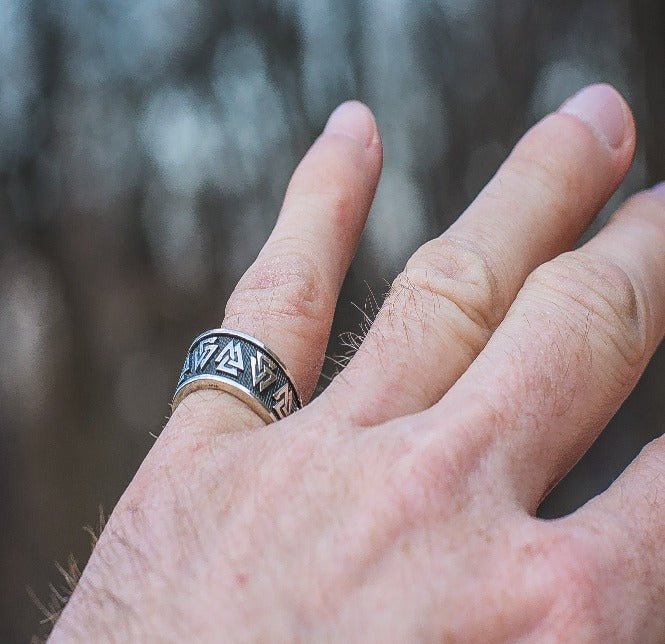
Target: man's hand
[{"x": 399, "y": 505}]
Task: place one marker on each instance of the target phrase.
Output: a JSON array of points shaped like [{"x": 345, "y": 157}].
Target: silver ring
[{"x": 243, "y": 367}]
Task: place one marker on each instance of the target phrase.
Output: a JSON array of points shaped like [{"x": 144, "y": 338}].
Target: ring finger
[
  {"x": 287, "y": 298},
  {"x": 569, "y": 352}
]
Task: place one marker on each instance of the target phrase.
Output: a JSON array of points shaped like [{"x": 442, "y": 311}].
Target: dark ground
[{"x": 144, "y": 149}]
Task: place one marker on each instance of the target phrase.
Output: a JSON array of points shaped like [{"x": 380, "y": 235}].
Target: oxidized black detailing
[{"x": 243, "y": 366}]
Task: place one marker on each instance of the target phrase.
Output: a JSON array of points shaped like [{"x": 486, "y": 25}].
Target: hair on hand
[{"x": 59, "y": 595}]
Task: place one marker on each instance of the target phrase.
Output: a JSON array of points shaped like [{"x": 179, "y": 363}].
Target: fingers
[
  {"x": 571, "y": 349},
  {"x": 287, "y": 297},
  {"x": 456, "y": 289},
  {"x": 627, "y": 528}
]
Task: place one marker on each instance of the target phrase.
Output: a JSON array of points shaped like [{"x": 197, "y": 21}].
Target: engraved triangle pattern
[
  {"x": 283, "y": 402},
  {"x": 230, "y": 359},
  {"x": 263, "y": 371},
  {"x": 236, "y": 363},
  {"x": 204, "y": 353}
]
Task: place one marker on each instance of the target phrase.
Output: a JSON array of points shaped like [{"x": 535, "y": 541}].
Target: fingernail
[
  {"x": 602, "y": 108},
  {"x": 659, "y": 189},
  {"x": 354, "y": 120}
]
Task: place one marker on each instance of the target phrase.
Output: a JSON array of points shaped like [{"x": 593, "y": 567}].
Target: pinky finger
[{"x": 625, "y": 530}]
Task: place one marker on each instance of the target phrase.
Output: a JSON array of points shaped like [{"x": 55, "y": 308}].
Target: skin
[{"x": 399, "y": 505}]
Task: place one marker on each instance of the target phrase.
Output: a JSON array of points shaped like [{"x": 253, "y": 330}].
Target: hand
[{"x": 399, "y": 505}]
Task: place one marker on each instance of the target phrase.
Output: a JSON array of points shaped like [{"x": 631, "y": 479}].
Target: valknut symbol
[
  {"x": 204, "y": 353},
  {"x": 283, "y": 401},
  {"x": 230, "y": 359},
  {"x": 263, "y": 374},
  {"x": 185, "y": 370}
]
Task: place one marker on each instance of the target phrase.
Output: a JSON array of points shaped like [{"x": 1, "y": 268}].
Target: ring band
[{"x": 243, "y": 367}]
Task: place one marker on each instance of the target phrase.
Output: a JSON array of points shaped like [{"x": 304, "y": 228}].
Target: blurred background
[{"x": 144, "y": 149}]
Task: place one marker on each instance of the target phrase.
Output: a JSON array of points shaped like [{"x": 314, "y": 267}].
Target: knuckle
[
  {"x": 536, "y": 175},
  {"x": 595, "y": 287},
  {"x": 459, "y": 273},
  {"x": 649, "y": 470},
  {"x": 287, "y": 284},
  {"x": 434, "y": 479},
  {"x": 650, "y": 466},
  {"x": 645, "y": 203},
  {"x": 538, "y": 178},
  {"x": 652, "y": 456},
  {"x": 573, "y": 582},
  {"x": 339, "y": 205},
  {"x": 420, "y": 484}
]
